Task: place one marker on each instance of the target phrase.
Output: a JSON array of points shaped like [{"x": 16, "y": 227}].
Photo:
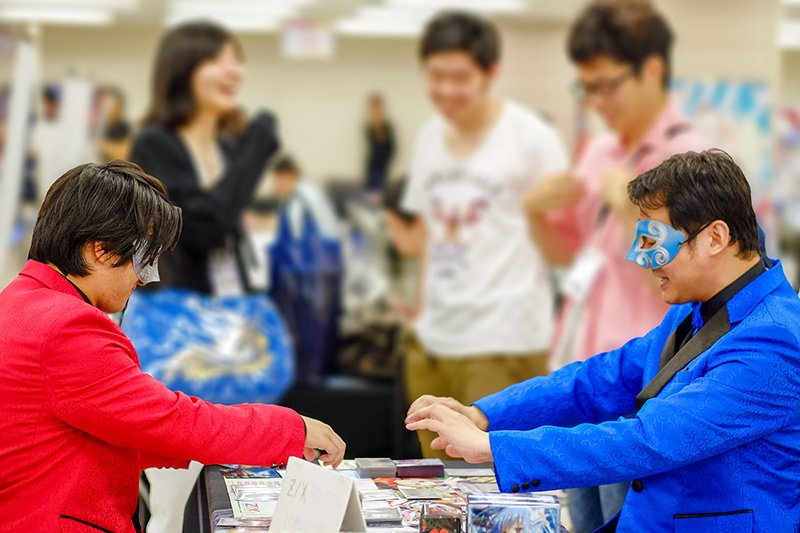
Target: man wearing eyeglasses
[{"x": 583, "y": 218}]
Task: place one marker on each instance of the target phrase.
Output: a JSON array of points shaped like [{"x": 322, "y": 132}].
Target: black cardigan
[{"x": 209, "y": 216}]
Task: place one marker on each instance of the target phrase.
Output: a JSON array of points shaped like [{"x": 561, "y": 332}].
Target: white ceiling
[{"x": 387, "y": 17}]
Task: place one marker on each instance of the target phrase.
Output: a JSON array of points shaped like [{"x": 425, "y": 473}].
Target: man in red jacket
[{"x": 78, "y": 417}]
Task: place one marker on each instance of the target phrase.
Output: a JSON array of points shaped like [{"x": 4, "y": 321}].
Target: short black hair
[
  {"x": 462, "y": 31},
  {"x": 628, "y": 31},
  {"x": 117, "y": 204},
  {"x": 286, "y": 163},
  {"x": 698, "y": 189},
  {"x": 182, "y": 50}
]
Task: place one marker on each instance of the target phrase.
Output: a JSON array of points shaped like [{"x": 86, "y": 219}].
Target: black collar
[
  {"x": 85, "y": 298},
  {"x": 710, "y": 307}
]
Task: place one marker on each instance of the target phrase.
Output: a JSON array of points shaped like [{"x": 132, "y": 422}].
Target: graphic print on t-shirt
[{"x": 460, "y": 201}]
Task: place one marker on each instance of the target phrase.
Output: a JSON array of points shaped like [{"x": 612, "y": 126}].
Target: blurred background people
[
  {"x": 300, "y": 195},
  {"x": 117, "y": 132},
  {"x": 583, "y": 218},
  {"x": 380, "y": 144},
  {"x": 198, "y": 71},
  {"x": 486, "y": 304}
]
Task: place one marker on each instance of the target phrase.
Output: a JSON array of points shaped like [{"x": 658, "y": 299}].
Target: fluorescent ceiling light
[
  {"x": 53, "y": 16},
  {"x": 70, "y": 4},
  {"x": 236, "y": 23},
  {"x": 242, "y": 15},
  {"x": 262, "y": 9},
  {"x": 391, "y": 13},
  {"x": 372, "y": 28},
  {"x": 486, "y": 6},
  {"x": 407, "y": 18}
]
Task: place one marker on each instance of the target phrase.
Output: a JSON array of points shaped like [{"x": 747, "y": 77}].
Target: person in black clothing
[
  {"x": 380, "y": 145},
  {"x": 211, "y": 173},
  {"x": 117, "y": 134},
  {"x": 212, "y": 177}
]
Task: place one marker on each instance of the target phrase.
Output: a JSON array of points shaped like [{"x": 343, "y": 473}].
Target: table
[{"x": 210, "y": 495}]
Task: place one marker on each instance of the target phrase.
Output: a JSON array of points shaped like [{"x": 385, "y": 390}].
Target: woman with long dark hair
[{"x": 211, "y": 175}]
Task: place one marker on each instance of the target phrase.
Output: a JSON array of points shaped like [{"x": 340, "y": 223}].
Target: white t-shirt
[{"x": 486, "y": 289}]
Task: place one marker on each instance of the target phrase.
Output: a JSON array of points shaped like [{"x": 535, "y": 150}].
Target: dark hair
[
  {"x": 698, "y": 189},
  {"x": 286, "y": 163},
  {"x": 113, "y": 91},
  {"x": 629, "y": 31},
  {"x": 51, "y": 93},
  {"x": 393, "y": 195},
  {"x": 117, "y": 204},
  {"x": 181, "y": 51},
  {"x": 462, "y": 32}
]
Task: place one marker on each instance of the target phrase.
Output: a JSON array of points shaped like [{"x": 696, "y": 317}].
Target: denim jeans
[{"x": 591, "y": 507}]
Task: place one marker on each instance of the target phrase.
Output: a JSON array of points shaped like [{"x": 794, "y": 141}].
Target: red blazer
[{"x": 79, "y": 419}]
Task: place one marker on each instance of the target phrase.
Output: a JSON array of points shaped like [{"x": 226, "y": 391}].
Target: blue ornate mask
[{"x": 656, "y": 244}]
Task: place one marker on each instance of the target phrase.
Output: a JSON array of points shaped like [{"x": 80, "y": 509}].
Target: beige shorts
[{"x": 466, "y": 379}]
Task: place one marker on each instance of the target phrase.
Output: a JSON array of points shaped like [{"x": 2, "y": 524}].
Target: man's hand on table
[
  {"x": 473, "y": 413},
  {"x": 320, "y": 436},
  {"x": 459, "y": 435}
]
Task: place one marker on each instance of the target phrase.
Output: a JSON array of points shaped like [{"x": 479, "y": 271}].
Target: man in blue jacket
[{"x": 712, "y": 438}]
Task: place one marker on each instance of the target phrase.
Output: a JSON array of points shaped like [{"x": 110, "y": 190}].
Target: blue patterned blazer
[{"x": 717, "y": 448}]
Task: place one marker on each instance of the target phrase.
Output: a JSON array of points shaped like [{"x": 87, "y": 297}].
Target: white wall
[
  {"x": 320, "y": 103},
  {"x": 790, "y": 70},
  {"x": 726, "y": 39}
]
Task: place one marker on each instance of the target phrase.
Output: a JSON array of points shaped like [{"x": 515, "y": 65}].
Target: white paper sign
[{"x": 317, "y": 500}]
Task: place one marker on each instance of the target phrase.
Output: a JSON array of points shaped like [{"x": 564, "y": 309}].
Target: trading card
[
  {"x": 512, "y": 513},
  {"x": 380, "y": 494},
  {"x": 382, "y": 515},
  {"x": 439, "y": 517},
  {"x": 427, "y": 493}
]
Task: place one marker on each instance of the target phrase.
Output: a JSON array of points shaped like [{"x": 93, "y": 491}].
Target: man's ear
[
  {"x": 96, "y": 253},
  {"x": 494, "y": 72},
  {"x": 720, "y": 237},
  {"x": 654, "y": 69}
]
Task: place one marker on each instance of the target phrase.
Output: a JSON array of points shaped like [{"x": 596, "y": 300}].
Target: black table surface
[{"x": 211, "y": 495}]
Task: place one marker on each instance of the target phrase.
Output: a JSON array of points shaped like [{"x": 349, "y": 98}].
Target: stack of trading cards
[
  {"x": 253, "y": 497},
  {"x": 376, "y": 467},
  {"x": 382, "y": 516},
  {"x": 488, "y": 513},
  {"x": 419, "y": 468},
  {"x": 439, "y": 517},
  {"x": 423, "y": 493}
]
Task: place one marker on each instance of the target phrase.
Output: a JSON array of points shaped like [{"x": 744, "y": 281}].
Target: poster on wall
[
  {"x": 307, "y": 39},
  {"x": 787, "y": 156},
  {"x": 787, "y": 186},
  {"x": 736, "y": 117}
]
